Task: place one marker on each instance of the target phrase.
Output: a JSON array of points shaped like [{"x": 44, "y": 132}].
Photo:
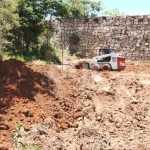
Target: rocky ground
[{"x": 44, "y": 106}]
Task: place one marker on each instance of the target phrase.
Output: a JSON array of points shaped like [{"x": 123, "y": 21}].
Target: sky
[{"x": 128, "y": 7}]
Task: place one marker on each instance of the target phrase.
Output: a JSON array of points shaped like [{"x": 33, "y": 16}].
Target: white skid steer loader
[{"x": 107, "y": 59}]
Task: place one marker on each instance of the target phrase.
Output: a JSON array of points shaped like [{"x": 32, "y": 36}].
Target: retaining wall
[{"x": 129, "y": 35}]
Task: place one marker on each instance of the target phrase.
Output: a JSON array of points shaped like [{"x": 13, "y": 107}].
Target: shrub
[{"x": 74, "y": 39}]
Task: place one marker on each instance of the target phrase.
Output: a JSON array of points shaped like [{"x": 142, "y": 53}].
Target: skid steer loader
[{"x": 107, "y": 59}]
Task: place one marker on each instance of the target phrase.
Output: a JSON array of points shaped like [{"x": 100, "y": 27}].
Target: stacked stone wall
[{"x": 129, "y": 35}]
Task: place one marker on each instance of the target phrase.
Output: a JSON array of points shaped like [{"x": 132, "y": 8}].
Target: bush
[
  {"x": 74, "y": 39},
  {"x": 48, "y": 54},
  {"x": 79, "y": 54}
]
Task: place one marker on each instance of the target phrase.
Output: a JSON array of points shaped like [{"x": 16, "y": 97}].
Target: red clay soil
[
  {"x": 28, "y": 95},
  {"x": 18, "y": 87}
]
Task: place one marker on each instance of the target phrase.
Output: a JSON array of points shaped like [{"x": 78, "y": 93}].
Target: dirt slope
[{"x": 74, "y": 108}]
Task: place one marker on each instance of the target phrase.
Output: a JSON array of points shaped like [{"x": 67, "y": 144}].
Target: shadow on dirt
[{"x": 18, "y": 80}]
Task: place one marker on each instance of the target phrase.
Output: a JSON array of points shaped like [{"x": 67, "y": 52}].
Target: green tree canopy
[
  {"x": 112, "y": 12},
  {"x": 8, "y": 15},
  {"x": 23, "y": 21},
  {"x": 83, "y": 8},
  {"x": 31, "y": 18},
  {"x": 55, "y": 8}
]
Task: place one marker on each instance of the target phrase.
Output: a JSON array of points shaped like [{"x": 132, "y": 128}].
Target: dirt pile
[
  {"x": 19, "y": 85},
  {"x": 75, "y": 108},
  {"x": 19, "y": 80},
  {"x": 29, "y": 94}
]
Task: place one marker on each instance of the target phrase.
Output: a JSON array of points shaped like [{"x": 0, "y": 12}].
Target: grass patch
[
  {"x": 7, "y": 56},
  {"x": 15, "y": 139},
  {"x": 52, "y": 55},
  {"x": 30, "y": 57}
]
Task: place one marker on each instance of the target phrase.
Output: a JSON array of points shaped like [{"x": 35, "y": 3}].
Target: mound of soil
[
  {"x": 74, "y": 108},
  {"x": 19, "y": 85},
  {"x": 29, "y": 94}
]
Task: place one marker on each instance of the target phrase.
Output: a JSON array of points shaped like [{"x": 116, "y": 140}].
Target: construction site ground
[{"x": 54, "y": 108}]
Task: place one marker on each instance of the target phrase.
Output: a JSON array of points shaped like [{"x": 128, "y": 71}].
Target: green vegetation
[
  {"x": 83, "y": 8},
  {"x": 74, "y": 39},
  {"x": 24, "y": 40},
  {"x": 17, "y": 135},
  {"x": 112, "y": 12},
  {"x": 27, "y": 34}
]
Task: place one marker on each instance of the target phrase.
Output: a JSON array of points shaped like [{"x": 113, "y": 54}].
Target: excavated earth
[{"x": 45, "y": 106}]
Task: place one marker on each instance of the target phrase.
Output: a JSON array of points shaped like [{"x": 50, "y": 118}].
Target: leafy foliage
[
  {"x": 17, "y": 135},
  {"x": 83, "y": 8},
  {"x": 74, "y": 39},
  {"x": 27, "y": 33},
  {"x": 25, "y": 39},
  {"x": 113, "y": 12},
  {"x": 17, "y": 132},
  {"x": 8, "y": 15},
  {"x": 55, "y": 8}
]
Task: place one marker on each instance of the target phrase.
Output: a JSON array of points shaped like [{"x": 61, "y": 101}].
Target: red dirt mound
[
  {"x": 29, "y": 93},
  {"x": 19, "y": 86},
  {"x": 19, "y": 80}
]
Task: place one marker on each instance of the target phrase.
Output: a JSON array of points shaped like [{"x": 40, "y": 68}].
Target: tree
[
  {"x": 32, "y": 16},
  {"x": 83, "y": 8},
  {"x": 112, "y": 12},
  {"x": 8, "y": 17},
  {"x": 55, "y": 8},
  {"x": 24, "y": 21}
]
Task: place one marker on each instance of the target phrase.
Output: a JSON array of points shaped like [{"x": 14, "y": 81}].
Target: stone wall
[{"x": 129, "y": 35}]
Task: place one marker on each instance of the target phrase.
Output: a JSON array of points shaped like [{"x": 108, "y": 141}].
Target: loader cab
[
  {"x": 105, "y": 51},
  {"x": 105, "y": 54}
]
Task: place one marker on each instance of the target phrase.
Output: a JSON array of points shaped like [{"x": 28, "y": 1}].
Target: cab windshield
[{"x": 106, "y": 51}]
